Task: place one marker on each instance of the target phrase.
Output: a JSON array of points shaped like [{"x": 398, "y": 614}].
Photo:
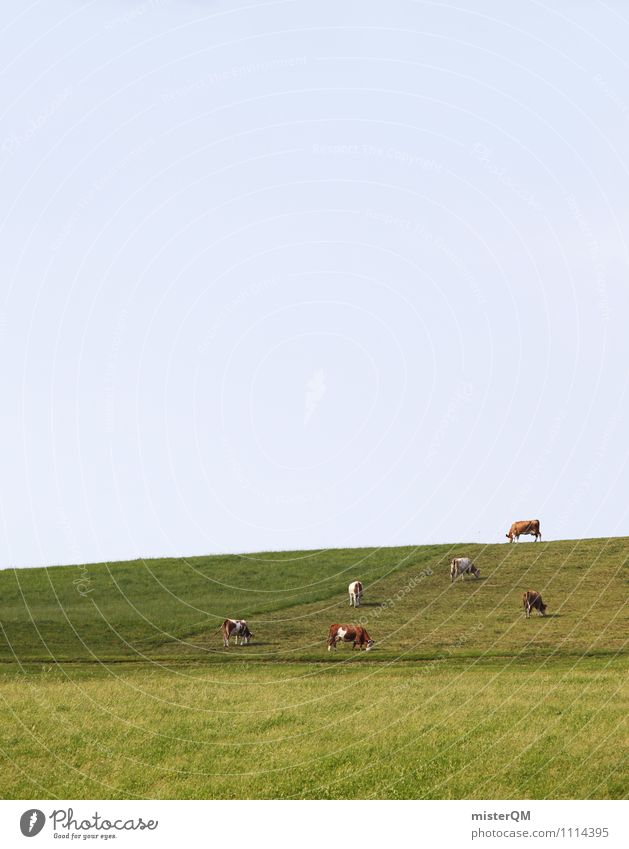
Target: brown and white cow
[
  {"x": 462, "y": 566},
  {"x": 355, "y": 591},
  {"x": 530, "y": 527},
  {"x": 237, "y": 628},
  {"x": 355, "y": 634},
  {"x": 532, "y": 600}
]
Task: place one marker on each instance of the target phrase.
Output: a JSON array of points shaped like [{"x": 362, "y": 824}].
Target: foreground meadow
[{"x": 444, "y": 729}]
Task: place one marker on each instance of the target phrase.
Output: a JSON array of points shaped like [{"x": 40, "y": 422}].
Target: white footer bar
[{"x": 311, "y": 824}]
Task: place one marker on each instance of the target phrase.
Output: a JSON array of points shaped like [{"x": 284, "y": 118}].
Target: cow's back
[{"x": 530, "y": 526}]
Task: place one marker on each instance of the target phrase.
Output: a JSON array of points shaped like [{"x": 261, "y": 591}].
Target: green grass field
[{"x": 114, "y": 682}]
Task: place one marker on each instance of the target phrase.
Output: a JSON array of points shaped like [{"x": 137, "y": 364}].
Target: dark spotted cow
[
  {"x": 237, "y": 628},
  {"x": 532, "y": 600}
]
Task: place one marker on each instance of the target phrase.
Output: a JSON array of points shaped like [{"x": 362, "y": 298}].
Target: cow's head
[
  {"x": 542, "y": 607},
  {"x": 369, "y": 645},
  {"x": 476, "y": 572}
]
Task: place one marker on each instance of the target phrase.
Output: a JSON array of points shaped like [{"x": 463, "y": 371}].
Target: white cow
[
  {"x": 355, "y": 590},
  {"x": 462, "y": 566}
]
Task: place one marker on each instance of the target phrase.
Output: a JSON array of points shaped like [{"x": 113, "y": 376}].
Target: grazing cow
[
  {"x": 235, "y": 628},
  {"x": 462, "y": 566},
  {"x": 355, "y": 590},
  {"x": 355, "y": 634},
  {"x": 532, "y": 600},
  {"x": 530, "y": 528}
]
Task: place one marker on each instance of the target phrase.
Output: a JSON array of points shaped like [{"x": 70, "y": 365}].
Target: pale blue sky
[{"x": 311, "y": 274}]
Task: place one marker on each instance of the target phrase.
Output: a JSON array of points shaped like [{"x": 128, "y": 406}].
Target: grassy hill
[
  {"x": 171, "y": 608},
  {"x": 114, "y": 682}
]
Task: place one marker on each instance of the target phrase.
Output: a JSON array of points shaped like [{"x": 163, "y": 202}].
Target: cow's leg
[{"x": 528, "y": 610}]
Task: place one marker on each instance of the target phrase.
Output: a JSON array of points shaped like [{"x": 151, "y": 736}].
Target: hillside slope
[{"x": 171, "y": 608}]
